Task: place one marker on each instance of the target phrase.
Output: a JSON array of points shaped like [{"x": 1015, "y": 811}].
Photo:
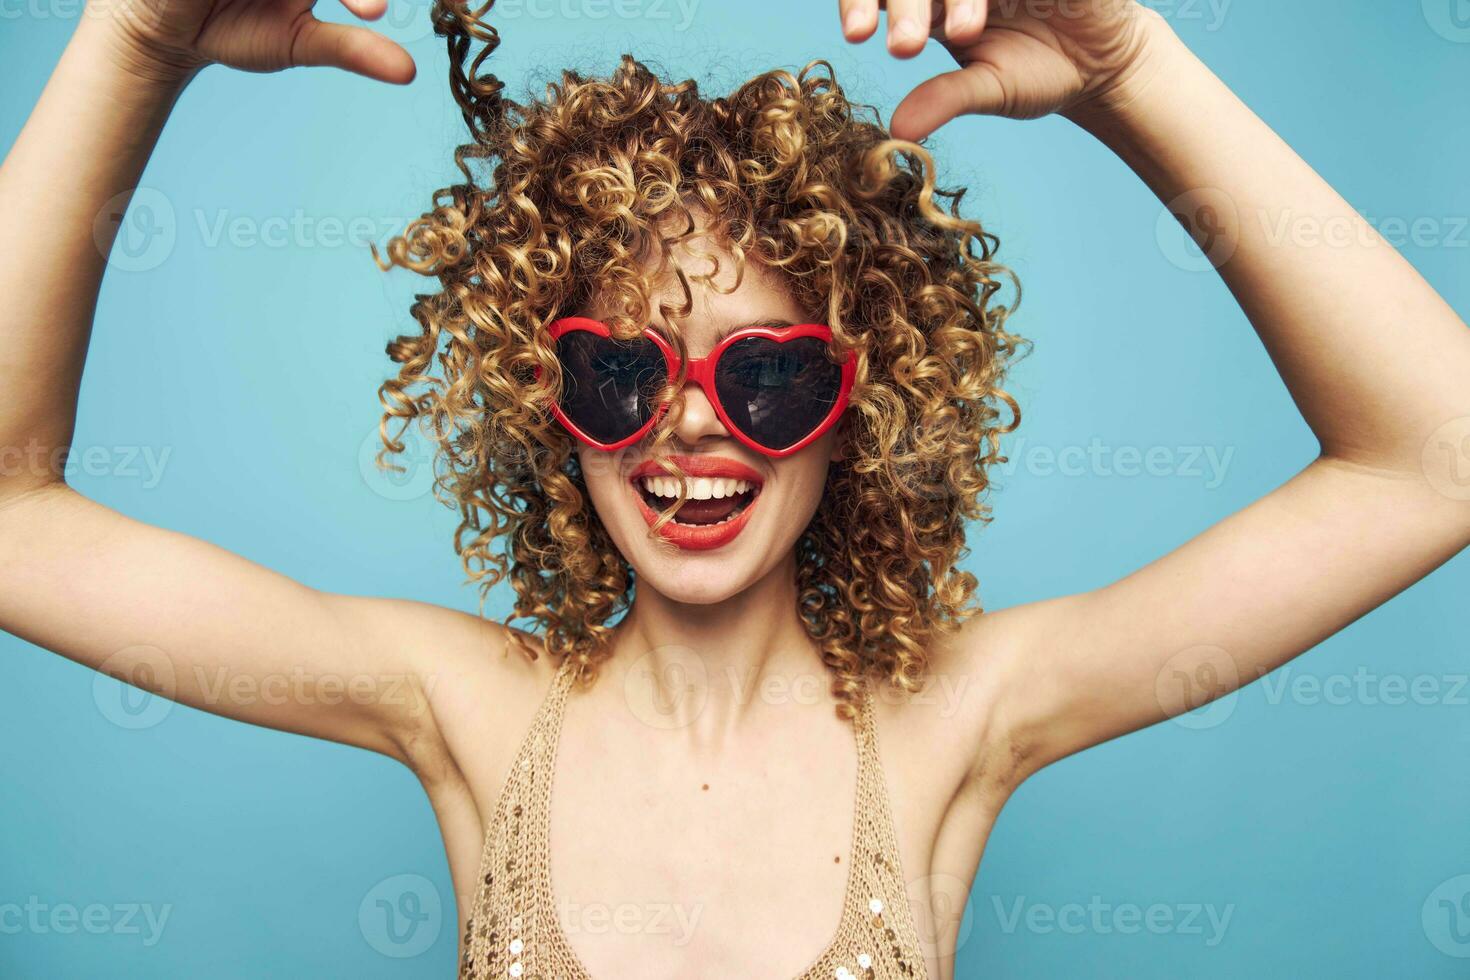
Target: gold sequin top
[{"x": 513, "y": 930}]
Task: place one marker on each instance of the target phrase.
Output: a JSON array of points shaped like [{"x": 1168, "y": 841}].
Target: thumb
[
  {"x": 351, "y": 48},
  {"x": 975, "y": 88}
]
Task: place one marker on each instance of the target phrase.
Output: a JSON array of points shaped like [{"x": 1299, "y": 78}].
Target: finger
[
  {"x": 908, "y": 26},
  {"x": 964, "y": 21},
  {"x": 974, "y": 89},
  {"x": 859, "y": 18},
  {"x": 366, "y": 9},
  {"x": 354, "y": 49}
]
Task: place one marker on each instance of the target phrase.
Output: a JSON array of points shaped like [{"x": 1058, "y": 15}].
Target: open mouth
[
  {"x": 712, "y": 500},
  {"x": 721, "y": 496}
]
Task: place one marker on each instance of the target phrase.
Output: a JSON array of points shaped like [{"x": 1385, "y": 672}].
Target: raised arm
[
  {"x": 1377, "y": 363},
  {"x": 153, "y": 606}
]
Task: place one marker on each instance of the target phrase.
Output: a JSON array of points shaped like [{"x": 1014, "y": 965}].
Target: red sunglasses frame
[{"x": 702, "y": 372}]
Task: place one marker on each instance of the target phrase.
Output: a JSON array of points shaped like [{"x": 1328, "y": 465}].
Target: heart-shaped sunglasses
[{"x": 776, "y": 389}]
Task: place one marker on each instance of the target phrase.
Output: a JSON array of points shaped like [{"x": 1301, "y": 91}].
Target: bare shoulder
[{"x": 473, "y": 683}]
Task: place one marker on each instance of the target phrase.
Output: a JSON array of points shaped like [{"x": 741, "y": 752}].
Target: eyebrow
[{"x": 773, "y": 323}]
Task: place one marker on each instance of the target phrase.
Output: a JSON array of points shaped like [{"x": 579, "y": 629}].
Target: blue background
[{"x": 1322, "y": 827}]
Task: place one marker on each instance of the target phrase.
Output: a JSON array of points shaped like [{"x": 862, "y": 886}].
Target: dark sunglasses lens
[
  {"x": 609, "y": 386},
  {"x": 775, "y": 393}
]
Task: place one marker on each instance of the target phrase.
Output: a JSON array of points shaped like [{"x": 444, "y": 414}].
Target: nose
[{"x": 698, "y": 422}]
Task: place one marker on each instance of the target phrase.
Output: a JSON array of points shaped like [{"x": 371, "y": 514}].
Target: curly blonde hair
[{"x": 562, "y": 199}]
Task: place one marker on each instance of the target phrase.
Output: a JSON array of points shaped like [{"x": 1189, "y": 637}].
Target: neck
[{"x": 714, "y": 661}]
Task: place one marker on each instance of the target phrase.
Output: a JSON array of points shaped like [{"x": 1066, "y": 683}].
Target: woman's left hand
[{"x": 1018, "y": 58}]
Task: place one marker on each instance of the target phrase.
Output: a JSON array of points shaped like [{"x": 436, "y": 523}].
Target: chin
[{"x": 697, "y": 582}]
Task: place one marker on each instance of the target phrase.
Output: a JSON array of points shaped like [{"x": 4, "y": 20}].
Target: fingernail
[
  {"x": 960, "y": 16},
  {"x": 907, "y": 30}
]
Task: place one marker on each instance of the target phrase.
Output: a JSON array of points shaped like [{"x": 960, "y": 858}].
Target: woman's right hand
[{"x": 181, "y": 36}]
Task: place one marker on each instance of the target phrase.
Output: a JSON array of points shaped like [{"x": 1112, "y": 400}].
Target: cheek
[
  {"x": 599, "y": 473},
  {"x": 803, "y": 480}
]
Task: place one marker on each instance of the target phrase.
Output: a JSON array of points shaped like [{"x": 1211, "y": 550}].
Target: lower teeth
[
  {"x": 661, "y": 504},
  {"x": 724, "y": 520}
]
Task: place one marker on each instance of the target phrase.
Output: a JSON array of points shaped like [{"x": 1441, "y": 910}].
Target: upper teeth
[{"x": 700, "y": 488}]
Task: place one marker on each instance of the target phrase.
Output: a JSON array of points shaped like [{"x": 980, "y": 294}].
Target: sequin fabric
[{"x": 513, "y": 930}]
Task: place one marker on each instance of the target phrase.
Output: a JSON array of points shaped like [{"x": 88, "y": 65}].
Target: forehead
[{"x": 717, "y": 303}]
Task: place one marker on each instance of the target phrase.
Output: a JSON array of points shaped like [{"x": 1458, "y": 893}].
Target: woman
[{"x": 731, "y": 492}]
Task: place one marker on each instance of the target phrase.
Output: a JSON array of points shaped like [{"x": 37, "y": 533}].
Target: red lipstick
[{"x": 695, "y": 537}]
